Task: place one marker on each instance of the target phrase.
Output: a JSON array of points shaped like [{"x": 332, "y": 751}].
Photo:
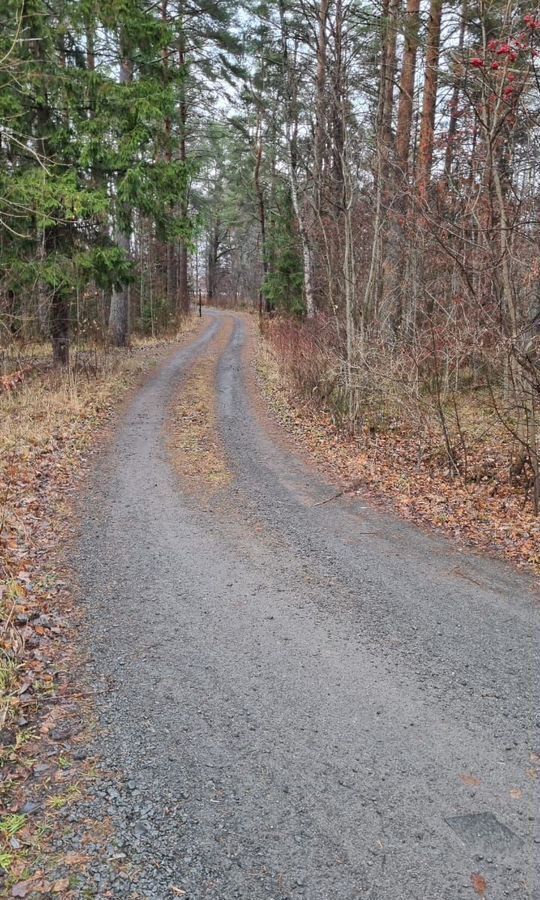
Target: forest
[
  {"x": 364, "y": 175},
  {"x": 269, "y": 449}
]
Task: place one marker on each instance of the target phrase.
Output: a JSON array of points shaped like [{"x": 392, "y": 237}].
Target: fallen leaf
[
  {"x": 516, "y": 793},
  {"x": 23, "y": 888},
  {"x": 469, "y": 779},
  {"x": 479, "y": 884},
  {"x": 75, "y": 859},
  {"x": 60, "y": 886}
]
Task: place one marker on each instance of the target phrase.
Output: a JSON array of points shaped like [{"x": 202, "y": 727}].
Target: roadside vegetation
[{"x": 398, "y": 445}]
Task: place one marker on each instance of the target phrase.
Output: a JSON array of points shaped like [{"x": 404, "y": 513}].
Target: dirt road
[{"x": 312, "y": 701}]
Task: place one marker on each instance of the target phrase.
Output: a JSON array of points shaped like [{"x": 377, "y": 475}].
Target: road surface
[{"x": 305, "y": 701}]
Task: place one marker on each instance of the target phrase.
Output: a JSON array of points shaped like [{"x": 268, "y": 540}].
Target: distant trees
[
  {"x": 391, "y": 185},
  {"x": 369, "y": 164},
  {"x": 97, "y": 155}
]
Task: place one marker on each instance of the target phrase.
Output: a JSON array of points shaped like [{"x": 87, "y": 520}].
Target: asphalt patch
[{"x": 483, "y": 831}]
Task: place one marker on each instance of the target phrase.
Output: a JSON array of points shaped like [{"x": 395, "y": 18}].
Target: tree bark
[
  {"x": 398, "y": 185},
  {"x": 338, "y": 111},
  {"x": 262, "y": 212},
  {"x": 59, "y": 325},
  {"x": 382, "y": 174},
  {"x": 291, "y": 126},
  {"x": 454, "y": 102},
  {"x": 183, "y": 280},
  {"x": 387, "y": 71},
  {"x": 213, "y": 251},
  {"x": 183, "y": 256},
  {"x": 406, "y": 95},
  {"x": 427, "y": 128},
  {"x": 119, "y": 311},
  {"x": 321, "y": 102},
  {"x": 49, "y": 240}
]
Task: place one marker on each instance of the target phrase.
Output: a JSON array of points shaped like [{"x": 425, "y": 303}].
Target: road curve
[{"x": 306, "y": 701}]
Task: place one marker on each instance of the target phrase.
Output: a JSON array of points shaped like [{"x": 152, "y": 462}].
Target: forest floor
[
  {"x": 256, "y": 692},
  {"x": 404, "y": 467}
]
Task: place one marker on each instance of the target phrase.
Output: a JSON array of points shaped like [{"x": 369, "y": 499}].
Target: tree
[
  {"x": 119, "y": 311},
  {"x": 51, "y": 235},
  {"x": 425, "y": 148}
]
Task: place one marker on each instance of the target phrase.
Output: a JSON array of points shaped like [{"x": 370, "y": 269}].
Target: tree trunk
[
  {"x": 172, "y": 301},
  {"x": 59, "y": 325},
  {"x": 262, "y": 213},
  {"x": 55, "y": 306},
  {"x": 374, "y": 285},
  {"x": 427, "y": 128},
  {"x": 321, "y": 103},
  {"x": 90, "y": 46},
  {"x": 213, "y": 254},
  {"x": 119, "y": 311},
  {"x": 408, "y": 71},
  {"x": 387, "y": 71},
  {"x": 454, "y": 102},
  {"x": 338, "y": 111},
  {"x": 183, "y": 256},
  {"x": 291, "y": 127},
  {"x": 397, "y": 176},
  {"x": 183, "y": 280}
]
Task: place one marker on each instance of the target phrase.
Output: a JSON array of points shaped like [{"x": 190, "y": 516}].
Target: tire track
[{"x": 296, "y": 711}]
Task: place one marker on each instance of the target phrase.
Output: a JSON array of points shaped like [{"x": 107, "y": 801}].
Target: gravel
[{"x": 295, "y": 700}]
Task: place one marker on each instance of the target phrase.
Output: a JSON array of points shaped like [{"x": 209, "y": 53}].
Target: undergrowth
[{"x": 433, "y": 445}]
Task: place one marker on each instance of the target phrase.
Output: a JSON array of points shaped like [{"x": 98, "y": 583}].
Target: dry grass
[
  {"x": 50, "y": 403},
  {"x": 194, "y": 444},
  {"x": 47, "y": 422},
  {"x": 400, "y": 455}
]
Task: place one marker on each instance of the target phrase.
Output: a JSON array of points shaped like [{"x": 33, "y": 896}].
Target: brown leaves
[
  {"x": 194, "y": 443},
  {"x": 9, "y": 382},
  {"x": 39, "y": 885},
  {"x": 470, "y": 780},
  {"x": 23, "y": 888},
  {"x": 405, "y": 463},
  {"x": 46, "y": 427},
  {"x": 479, "y": 884}
]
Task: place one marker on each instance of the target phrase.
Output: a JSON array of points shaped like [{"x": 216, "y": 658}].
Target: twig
[{"x": 329, "y": 499}]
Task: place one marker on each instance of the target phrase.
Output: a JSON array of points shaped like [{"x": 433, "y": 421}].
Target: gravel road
[{"x": 303, "y": 701}]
